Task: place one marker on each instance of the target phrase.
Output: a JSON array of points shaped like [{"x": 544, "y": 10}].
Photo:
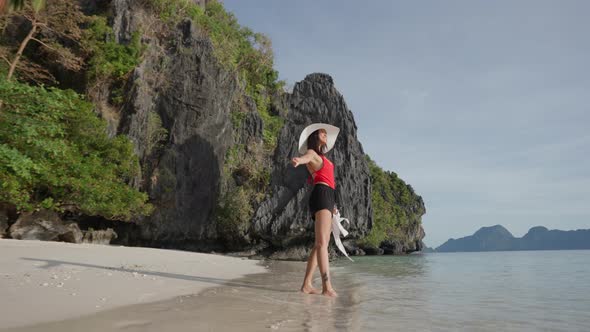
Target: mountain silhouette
[{"x": 498, "y": 238}]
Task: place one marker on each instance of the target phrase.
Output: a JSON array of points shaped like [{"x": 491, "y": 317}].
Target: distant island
[{"x": 498, "y": 238}]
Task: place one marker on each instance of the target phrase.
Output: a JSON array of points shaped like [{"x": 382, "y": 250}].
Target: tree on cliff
[
  {"x": 54, "y": 151},
  {"x": 53, "y": 25}
]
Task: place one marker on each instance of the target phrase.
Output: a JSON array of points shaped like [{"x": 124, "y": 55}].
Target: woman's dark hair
[{"x": 313, "y": 142}]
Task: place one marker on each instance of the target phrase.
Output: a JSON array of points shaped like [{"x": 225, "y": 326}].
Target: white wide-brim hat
[{"x": 330, "y": 130}]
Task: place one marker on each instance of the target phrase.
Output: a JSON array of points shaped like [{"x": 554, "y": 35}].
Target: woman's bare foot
[
  {"x": 330, "y": 292},
  {"x": 308, "y": 289}
]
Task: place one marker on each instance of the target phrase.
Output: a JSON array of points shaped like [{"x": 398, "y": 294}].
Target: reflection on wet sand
[{"x": 327, "y": 314}]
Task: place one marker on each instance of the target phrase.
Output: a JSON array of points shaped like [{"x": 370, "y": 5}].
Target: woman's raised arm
[{"x": 309, "y": 157}]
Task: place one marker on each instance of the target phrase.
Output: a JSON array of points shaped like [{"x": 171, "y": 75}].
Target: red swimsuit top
[{"x": 325, "y": 174}]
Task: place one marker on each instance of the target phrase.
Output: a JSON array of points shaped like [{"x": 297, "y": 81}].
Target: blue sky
[{"x": 482, "y": 106}]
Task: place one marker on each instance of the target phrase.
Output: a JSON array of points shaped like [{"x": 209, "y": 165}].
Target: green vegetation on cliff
[
  {"x": 55, "y": 153},
  {"x": 391, "y": 199},
  {"x": 245, "y": 179},
  {"x": 110, "y": 61},
  {"x": 108, "y": 57},
  {"x": 54, "y": 150},
  {"x": 246, "y": 171}
]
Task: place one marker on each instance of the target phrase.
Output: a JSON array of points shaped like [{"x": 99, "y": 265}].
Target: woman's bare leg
[
  {"x": 312, "y": 263},
  {"x": 323, "y": 228}
]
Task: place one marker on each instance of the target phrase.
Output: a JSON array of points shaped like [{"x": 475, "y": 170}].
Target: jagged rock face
[
  {"x": 44, "y": 225},
  {"x": 180, "y": 87},
  {"x": 413, "y": 233},
  {"x": 180, "y": 82},
  {"x": 99, "y": 236},
  {"x": 410, "y": 240},
  {"x": 284, "y": 218}
]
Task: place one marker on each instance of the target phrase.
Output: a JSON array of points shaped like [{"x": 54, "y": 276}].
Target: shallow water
[{"x": 493, "y": 291}]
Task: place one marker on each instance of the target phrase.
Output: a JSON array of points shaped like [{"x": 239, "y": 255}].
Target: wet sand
[
  {"x": 260, "y": 301},
  {"x": 497, "y": 291}
]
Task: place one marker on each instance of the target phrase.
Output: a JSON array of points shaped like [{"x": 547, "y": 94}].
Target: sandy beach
[
  {"x": 197, "y": 292},
  {"x": 267, "y": 301},
  {"x": 43, "y": 282}
]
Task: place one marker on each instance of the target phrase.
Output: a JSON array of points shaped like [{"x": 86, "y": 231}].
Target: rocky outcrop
[
  {"x": 44, "y": 225},
  {"x": 99, "y": 236},
  {"x": 409, "y": 241},
  {"x": 180, "y": 112},
  {"x": 180, "y": 85},
  {"x": 283, "y": 219},
  {"x": 374, "y": 251},
  {"x": 192, "y": 95}
]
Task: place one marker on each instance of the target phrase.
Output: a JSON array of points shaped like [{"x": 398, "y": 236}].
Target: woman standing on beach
[{"x": 315, "y": 141}]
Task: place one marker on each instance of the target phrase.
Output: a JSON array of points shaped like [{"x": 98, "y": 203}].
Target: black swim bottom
[{"x": 322, "y": 197}]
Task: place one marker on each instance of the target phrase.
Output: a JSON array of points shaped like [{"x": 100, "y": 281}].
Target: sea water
[{"x": 482, "y": 291}]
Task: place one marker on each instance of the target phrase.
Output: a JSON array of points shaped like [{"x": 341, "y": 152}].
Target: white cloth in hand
[{"x": 338, "y": 230}]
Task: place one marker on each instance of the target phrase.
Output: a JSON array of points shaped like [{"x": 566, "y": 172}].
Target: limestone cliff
[
  {"x": 185, "y": 173},
  {"x": 283, "y": 219},
  {"x": 215, "y": 178}
]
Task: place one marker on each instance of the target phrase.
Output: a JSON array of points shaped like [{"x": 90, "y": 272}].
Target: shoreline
[
  {"x": 43, "y": 282},
  {"x": 255, "y": 302},
  {"x": 422, "y": 292}
]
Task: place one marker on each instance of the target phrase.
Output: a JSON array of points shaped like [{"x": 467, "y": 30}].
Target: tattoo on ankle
[{"x": 325, "y": 277}]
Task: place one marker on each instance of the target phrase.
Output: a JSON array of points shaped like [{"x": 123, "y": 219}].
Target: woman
[{"x": 315, "y": 141}]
